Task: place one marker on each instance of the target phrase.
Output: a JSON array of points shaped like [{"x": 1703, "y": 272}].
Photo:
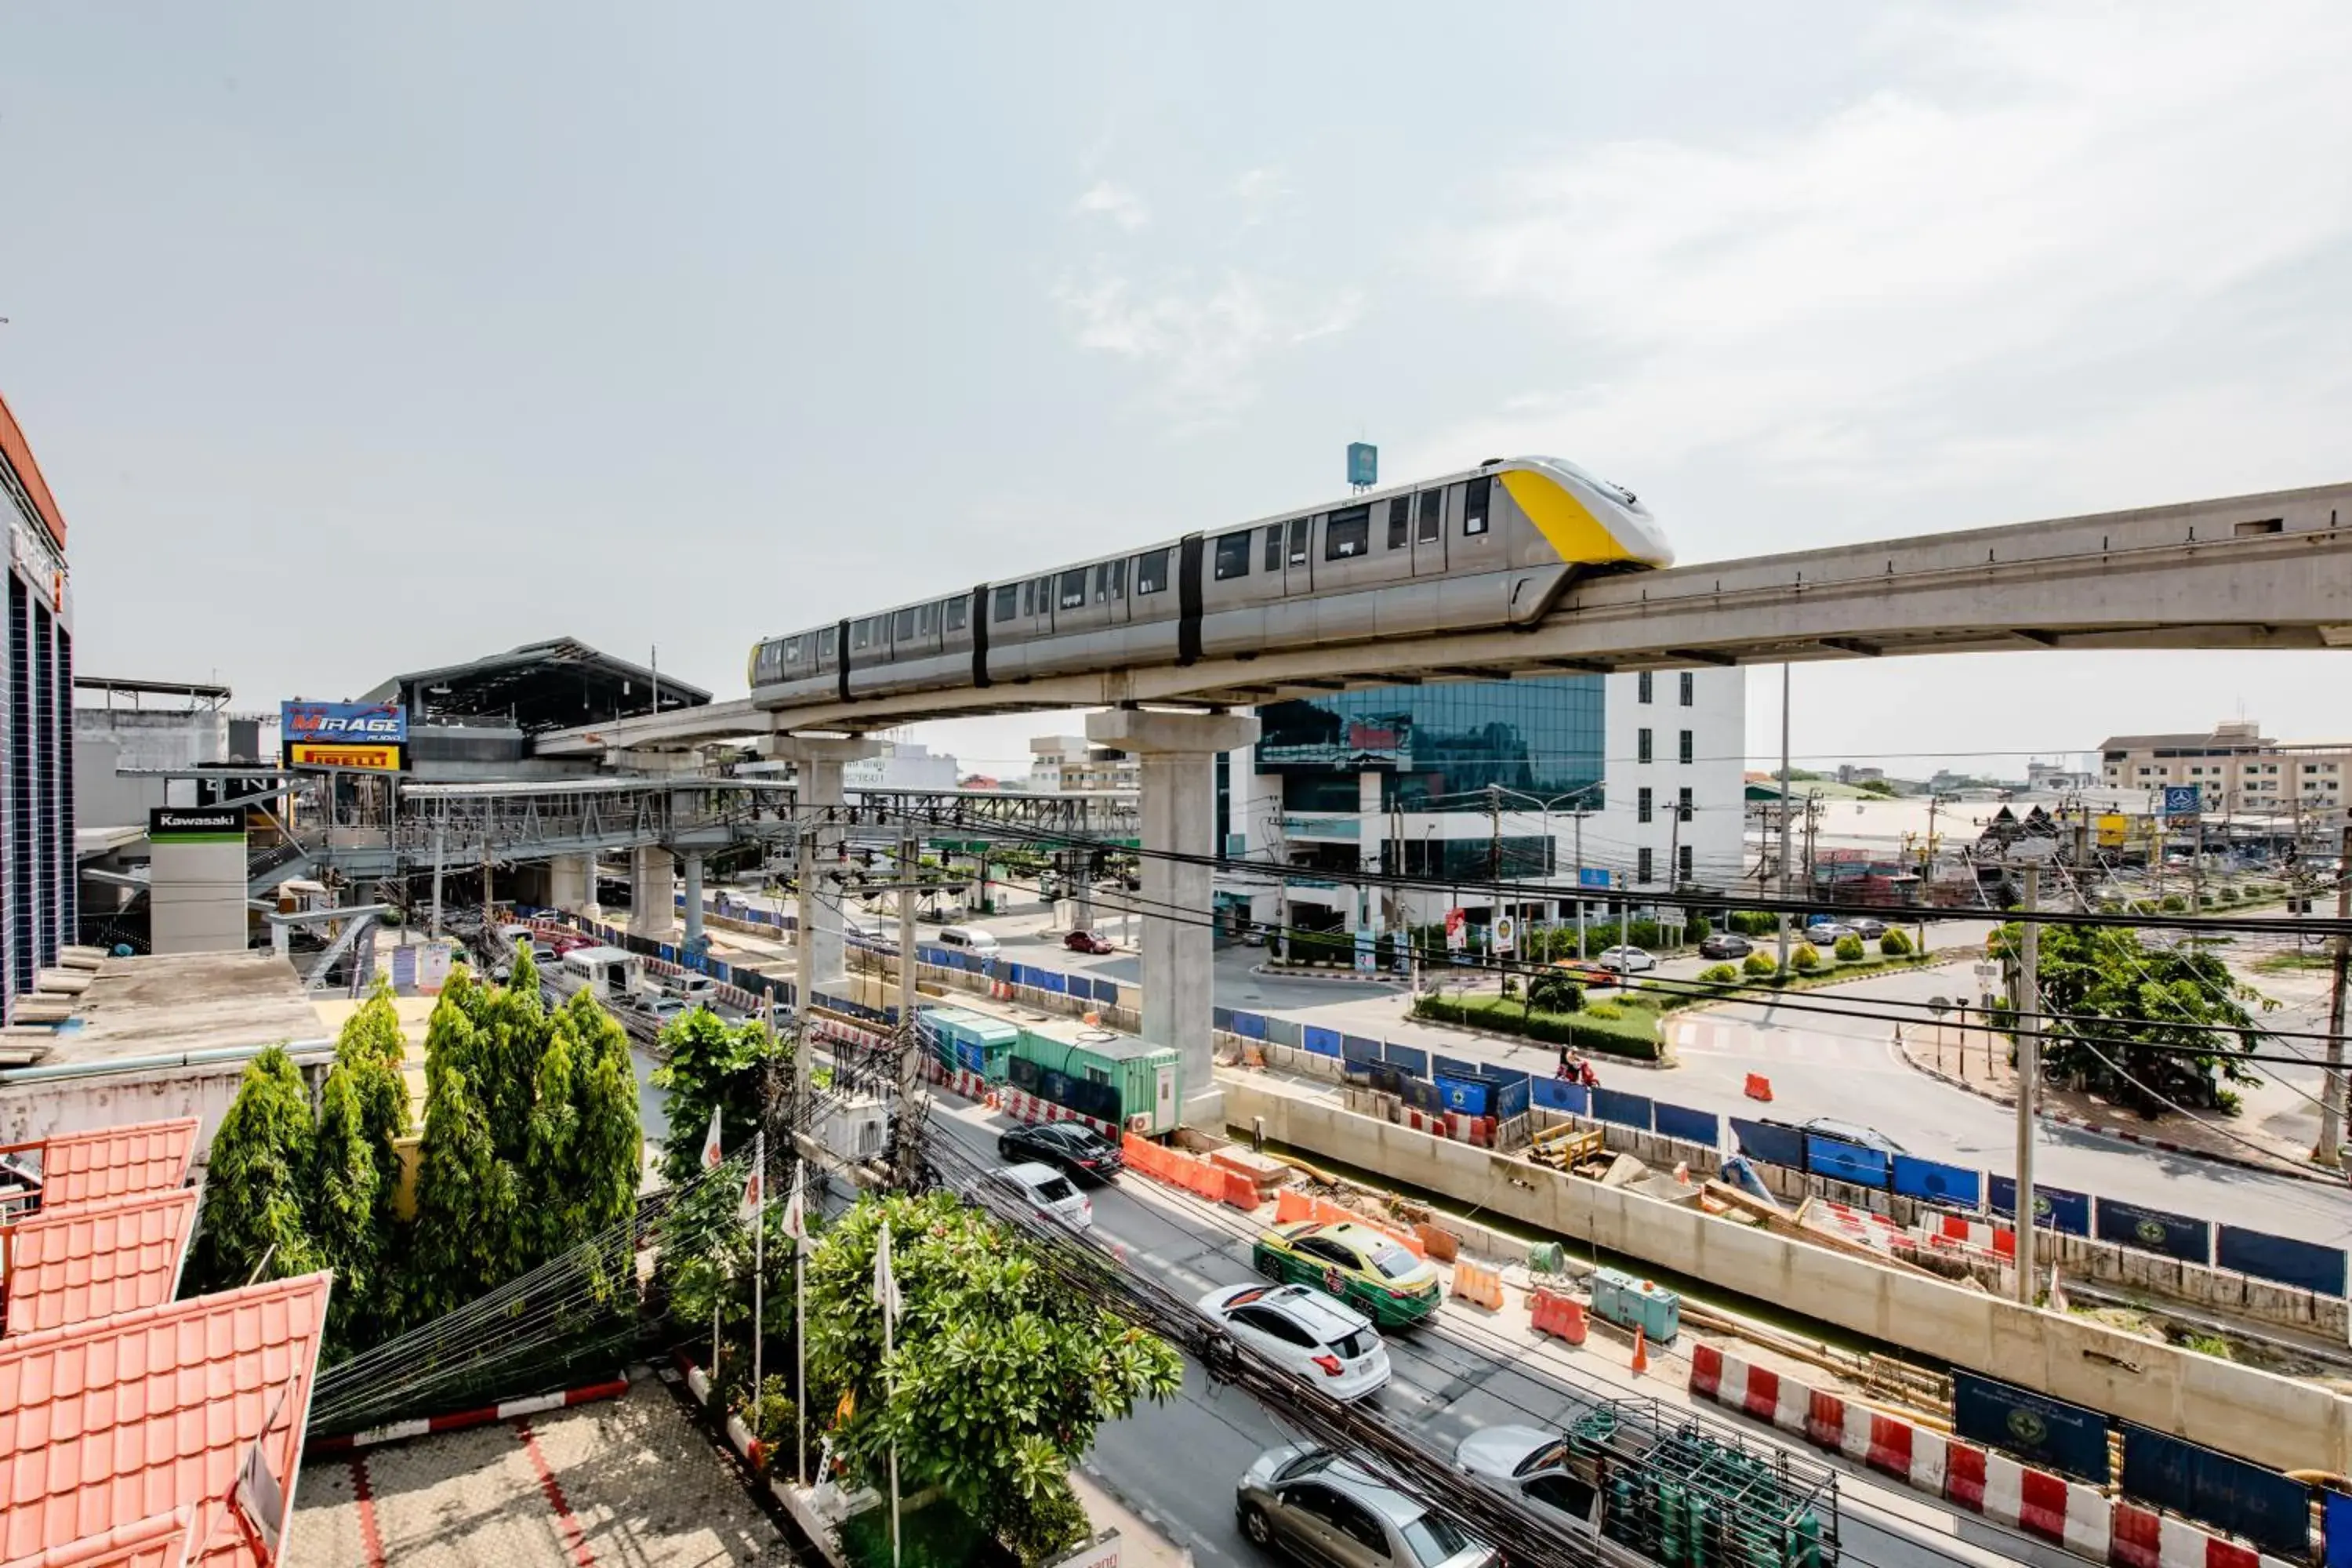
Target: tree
[
  {"x": 741, "y": 1070},
  {"x": 371, "y": 1052},
  {"x": 468, "y": 1208},
  {"x": 999, "y": 1377},
  {"x": 1883, "y": 788},
  {"x": 259, "y": 1169},
  {"x": 1849, "y": 949},
  {"x": 345, "y": 1216},
  {"x": 1894, "y": 943},
  {"x": 2148, "y": 1023},
  {"x": 1554, "y": 993},
  {"x": 594, "y": 1096}
]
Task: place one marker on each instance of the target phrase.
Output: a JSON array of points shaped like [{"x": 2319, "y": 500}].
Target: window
[
  {"x": 1028, "y": 599},
  {"x": 1690, "y": 686},
  {"x": 1640, "y": 745},
  {"x": 1686, "y": 861},
  {"x": 1400, "y": 522},
  {"x": 792, "y": 650},
  {"x": 1683, "y": 806},
  {"x": 1232, "y": 556},
  {"x": 828, "y": 641},
  {"x": 1008, "y": 603},
  {"x": 1473, "y": 504},
  {"x": 1686, "y": 745},
  {"x": 1046, "y": 595},
  {"x": 927, "y": 620},
  {"x": 1273, "y": 548},
  {"x": 1074, "y": 590},
  {"x": 1642, "y": 804},
  {"x": 1642, "y": 682},
  {"x": 1151, "y": 571},
  {"x": 1348, "y": 533},
  {"x": 861, "y": 634},
  {"x": 1119, "y": 579},
  {"x": 959, "y": 611},
  {"x": 1643, "y": 866},
  {"x": 1429, "y": 523},
  {"x": 1299, "y": 529},
  {"x": 1562, "y": 1491},
  {"x": 903, "y": 629},
  {"x": 1356, "y": 1521},
  {"x": 1274, "y": 1325}
]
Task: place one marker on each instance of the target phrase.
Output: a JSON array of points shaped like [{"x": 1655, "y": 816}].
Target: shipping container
[
  {"x": 959, "y": 1037},
  {"x": 1112, "y": 1078}
]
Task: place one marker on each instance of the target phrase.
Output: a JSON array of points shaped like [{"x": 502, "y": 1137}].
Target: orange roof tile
[
  {"x": 19, "y": 455},
  {"x": 106, "y": 1423},
  {"x": 161, "y": 1541},
  {"x": 83, "y": 1261},
  {"x": 107, "y": 1162}
]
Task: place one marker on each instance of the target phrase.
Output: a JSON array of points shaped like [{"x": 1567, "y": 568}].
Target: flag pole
[
  {"x": 889, "y": 1319},
  {"x": 712, "y": 1158},
  {"x": 800, "y": 1325}
]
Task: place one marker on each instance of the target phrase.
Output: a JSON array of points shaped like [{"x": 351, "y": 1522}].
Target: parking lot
[{"x": 628, "y": 1481}]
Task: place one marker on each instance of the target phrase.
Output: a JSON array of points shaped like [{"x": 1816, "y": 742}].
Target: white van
[{"x": 969, "y": 938}]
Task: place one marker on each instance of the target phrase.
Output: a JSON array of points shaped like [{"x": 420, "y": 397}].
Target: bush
[
  {"x": 1760, "y": 964},
  {"x": 1635, "y": 1038},
  {"x": 1893, "y": 944},
  {"x": 1848, "y": 949},
  {"x": 1699, "y": 929},
  {"x": 1605, "y": 1010},
  {"x": 1753, "y": 923},
  {"x": 1553, "y": 992},
  {"x": 1721, "y": 974},
  {"x": 2174, "y": 903},
  {"x": 1806, "y": 958}
]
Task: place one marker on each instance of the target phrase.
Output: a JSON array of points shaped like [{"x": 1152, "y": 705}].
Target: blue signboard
[
  {"x": 2054, "y": 1206},
  {"x": 2153, "y": 1230},
  {"x": 342, "y": 723},
  {"x": 2266, "y": 1507},
  {"x": 1592, "y": 877},
  {"x": 2051, "y": 1433},
  {"x": 2336, "y": 1523},
  {"x": 1363, "y": 463},
  {"x": 2182, "y": 800},
  {"x": 1842, "y": 1162}
]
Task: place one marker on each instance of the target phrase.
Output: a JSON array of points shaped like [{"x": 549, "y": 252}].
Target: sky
[{"x": 357, "y": 339}]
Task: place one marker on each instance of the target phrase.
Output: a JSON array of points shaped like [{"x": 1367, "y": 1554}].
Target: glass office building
[
  {"x": 37, "y": 794},
  {"x": 1437, "y": 748}
]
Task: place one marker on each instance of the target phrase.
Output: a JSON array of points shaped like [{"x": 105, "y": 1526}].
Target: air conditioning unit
[
  {"x": 1139, "y": 1124},
  {"x": 858, "y": 1131}
]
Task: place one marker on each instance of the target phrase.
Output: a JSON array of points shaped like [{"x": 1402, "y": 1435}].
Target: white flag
[
  {"x": 795, "y": 1217},
  {"x": 886, "y": 1288},
  {"x": 2057, "y": 1291},
  {"x": 755, "y": 1194},
  {"x": 712, "y": 1155}
]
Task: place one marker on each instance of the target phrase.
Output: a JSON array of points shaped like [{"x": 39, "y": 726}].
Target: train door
[
  {"x": 1297, "y": 559},
  {"x": 1429, "y": 534}
]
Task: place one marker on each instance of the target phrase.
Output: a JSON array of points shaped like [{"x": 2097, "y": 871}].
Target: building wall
[
  {"x": 37, "y": 761},
  {"x": 1070, "y": 764},
  {"x": 2238, "y": 769},
  {"x": 108, "y": 740},
  {"x": 903, "y": 765}
]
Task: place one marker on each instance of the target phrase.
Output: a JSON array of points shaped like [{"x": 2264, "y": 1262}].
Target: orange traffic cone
[{"x": 1641, "y": 1351}]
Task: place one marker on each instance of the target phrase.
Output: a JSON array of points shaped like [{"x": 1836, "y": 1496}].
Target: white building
[
  {"x": 1070, "y": 764},
  {"x": 901, "y": 764},
  {"x": 2235, "y": 768}
]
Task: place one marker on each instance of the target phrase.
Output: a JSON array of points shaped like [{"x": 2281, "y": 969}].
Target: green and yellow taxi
[{"x": 1368, "y": 1270}]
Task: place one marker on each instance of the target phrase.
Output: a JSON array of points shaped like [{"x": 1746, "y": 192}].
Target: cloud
[
  {"x": 2050, "y": 244},
  {"x": 1116, "y": 203},
  {"x": 1205, "y": 340},
  {"x": 1257, "y": 185}
]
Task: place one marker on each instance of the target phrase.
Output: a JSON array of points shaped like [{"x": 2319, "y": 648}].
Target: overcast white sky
[{"x": 360, "y": 338}]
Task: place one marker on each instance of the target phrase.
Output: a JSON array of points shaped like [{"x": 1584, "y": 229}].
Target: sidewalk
[{"x": 1141, "y": 1543}]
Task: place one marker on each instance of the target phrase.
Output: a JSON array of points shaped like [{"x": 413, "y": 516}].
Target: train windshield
[{"x": 1617, "y": 493}]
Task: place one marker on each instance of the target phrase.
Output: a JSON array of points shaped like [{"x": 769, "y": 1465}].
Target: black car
[
  {"x": 1723, "y": 944},
  {"x": 1084, "y": 1153}
]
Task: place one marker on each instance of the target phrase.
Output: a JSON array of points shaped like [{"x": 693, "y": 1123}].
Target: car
[
  {"x": 1533, "y": 1464},
  {"x": 971, "y": 939},
  {"x": 1087, "y": 941},
  {"x": 1318, "y": 1507},
  {"x": 662, "y": 1010},
  {"x": 1724, "y": 944},
  {"x": 1078, "y": 1151},
  {"x": 1048, "y": 1192},
  {"x": 1868, "y": 928},
  {"x": 1852, "y": 1132},
  {"x": 1586, "y": 974},
  {"x": 1355, "y": 1263},
  {"x": 1821, "y": 932},
  {"x": 1627, "y": 960},
  {"x": 1254, "y": 937},
  {"x": 1324, "y": 1341}
]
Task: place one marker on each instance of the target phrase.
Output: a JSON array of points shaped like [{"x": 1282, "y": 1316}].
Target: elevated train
[{"x": 1495, "y": 546}]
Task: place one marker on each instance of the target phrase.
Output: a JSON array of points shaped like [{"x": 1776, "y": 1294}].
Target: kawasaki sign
[
  {"x": 381, "y": 723},
  {"x": 200, "y": 824}
]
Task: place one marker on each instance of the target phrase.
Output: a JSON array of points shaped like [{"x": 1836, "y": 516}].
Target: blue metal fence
[
  {"x": 1681, "y": 1121},
  {"x": 1625, "y": 1109}
]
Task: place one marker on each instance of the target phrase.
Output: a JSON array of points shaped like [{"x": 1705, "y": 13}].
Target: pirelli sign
[
  {"x": 332, "y": 754},
  {"x": 366, "y": 737}
]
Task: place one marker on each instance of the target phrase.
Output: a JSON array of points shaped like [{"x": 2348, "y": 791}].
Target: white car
[
  {"x": 1533, "y": 1464},
  {"x": 1048, "y": 1192},
  {"x": 1626, "y": 959},
  {"x": 1309, "y": 1334}
]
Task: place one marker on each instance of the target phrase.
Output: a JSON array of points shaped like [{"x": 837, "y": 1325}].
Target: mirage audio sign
[{"x": 369, "y": 736}]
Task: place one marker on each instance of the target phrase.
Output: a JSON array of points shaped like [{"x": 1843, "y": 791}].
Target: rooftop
[
  {"x": 553, "y": 685},
  {"x": 179, "y": 1004},
  {"x": 16, "y": 455},
  {"x": 75, "y": 1263},
  {"x": 107, "y": 1163}
]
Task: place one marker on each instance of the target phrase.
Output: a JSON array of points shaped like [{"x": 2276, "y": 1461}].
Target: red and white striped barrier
[
  {"x": 506, "y": 1410},
  {"x": 1028, "y": 1107},
  {"x": 2075, "y": 1515},
  {"x": 2143, "y": 1539},
  {"x": 1976, "y": 1235},
  {"x": 1859, "y": 1225},
  {"x": 961, "y": 1081}
]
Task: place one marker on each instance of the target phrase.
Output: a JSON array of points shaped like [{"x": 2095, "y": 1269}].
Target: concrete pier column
[
  {"x": 817, "y": 762},
  {"x": 1080, "y": 884},
  {"x": 572, "y": 882},
  {"x": 653, "y": 893},
  {"x": 1178, "y": 755},
  {"x": 693, "y": 899}
]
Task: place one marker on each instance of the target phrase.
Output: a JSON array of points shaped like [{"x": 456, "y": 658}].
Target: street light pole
[
  {"x": 2029, "y": 1074},
  {"x": 2329, "y": 1150},
  {"x": 1784, "y": 818}
]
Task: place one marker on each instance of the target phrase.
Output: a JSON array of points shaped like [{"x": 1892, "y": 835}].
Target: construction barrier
[
  {"x": 1477, "y": 1284},
  {"x": 1291, "y": 1206},
  {"x": 1758, "y": 1087},
  {"x": 1557, "y": 1314},
  {"x": 1196, "y": 1176}
]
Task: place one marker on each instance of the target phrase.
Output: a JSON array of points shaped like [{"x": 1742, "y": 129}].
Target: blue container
[{"x": 1631, "y": 1303}]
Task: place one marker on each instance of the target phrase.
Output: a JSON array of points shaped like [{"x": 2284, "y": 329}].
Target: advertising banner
[
  {"x": 200, "y": 825},
  {"x": 2266, "y": 1507},
  {"x": 384, "y": 723},
  {"x": 1457, "y": 931},
  {"x": 322, "y": 754},
  {"x": 2046, "y": 1432}
]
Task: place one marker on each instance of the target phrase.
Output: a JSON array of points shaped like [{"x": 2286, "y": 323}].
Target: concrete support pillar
[
  {"x": 817, "y": 762},
  {"x": 1178, "y": 755},
  {"x": 1081, "y": 883},
  {"x": 653, "y": 893},
  {"x": 572, "y": 882},
  {"x": 693, "y": 900}
]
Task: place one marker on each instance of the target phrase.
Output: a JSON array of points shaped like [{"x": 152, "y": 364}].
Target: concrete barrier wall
[
  {"x": 33, "y": 1110},
  {"x": 2267, "y": 1418}
]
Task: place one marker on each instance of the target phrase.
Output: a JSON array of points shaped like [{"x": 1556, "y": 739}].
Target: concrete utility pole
[
  {"x": 1580, "y": 884},
  {"x": 1494, "y": 868},
  {"x": 804, "y": 978},
  {"x": 1784, "y": 817},
  {"x": 2029, "y": 1074},
  {"x": 2329, "y": 1150}
]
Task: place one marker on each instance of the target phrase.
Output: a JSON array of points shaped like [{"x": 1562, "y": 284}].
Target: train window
[
  {"x": 1473, "y": 504},
  {"x": 1119, "y": 579},
  {"x": 1273, "y": 548},
  {"x": 1074, "y": 590},
  {"x": 903, "y": 629},
  {"x": 828, "y": 641},
  {"x": 792, "y": 650},
  {"x": 1044, "y": 596},
  {"x": 1102, "y": 584},
  {"x": 1348, "y": 533},
  {"x": 1400, "y": 522},
  {"x": 1299, "y": 529},
  {"x": 1232, "y": 556},
  {"x": 1028, "y": 599},
  {"x": 1151, "y": 571},
  {"x": 1008, "y": 603},
  {"x": 1429, "y": 526},
  {"x": 958, "y": 611},
  {"x": 861, "y": 634}
]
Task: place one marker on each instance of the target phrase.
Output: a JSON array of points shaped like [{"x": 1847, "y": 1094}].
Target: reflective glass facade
[{"x": 1437, "y": 747}]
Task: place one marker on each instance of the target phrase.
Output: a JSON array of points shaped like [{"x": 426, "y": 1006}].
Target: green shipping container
[{"x": 1145, "y": 1078}]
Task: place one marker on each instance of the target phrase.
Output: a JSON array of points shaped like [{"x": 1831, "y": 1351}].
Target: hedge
[{"x": 1634, "y": 1036}]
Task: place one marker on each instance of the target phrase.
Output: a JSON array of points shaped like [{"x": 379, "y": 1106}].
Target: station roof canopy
[{"x": 553, "y": 685}]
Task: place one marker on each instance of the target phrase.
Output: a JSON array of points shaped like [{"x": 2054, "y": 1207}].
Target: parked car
[
  {"x": 1868, "y": 927},
  {"x": 1586, "y": 974},
  {"x": 1321, "y": 1340},
  {"x": 690, "y": 987},
  {"x": 661, "y": 1010},
  {"x": 1355, "y": 1263},
  {"x": 1724, "y": 944},
  {"x": 1822, "y": 933},
  {"x": 971, "y": 939},
  {"x": 1087, "y": 942},
  {"x": 1048, "y": 1192},
  {"x": 1078, "y": 1152},
  {"x": 1627, "y": 960},
  {"x": 1853, "y": 1132},
  {"x": 1318, "y": 1507}
]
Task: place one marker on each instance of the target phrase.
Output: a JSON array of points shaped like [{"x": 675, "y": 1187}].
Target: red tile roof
[
  {"x": 18, "y": 453},
  {"x": 109, "y": 1162},
  {"x": 80, "y": 1262},
  {"x": 104, "y": 1424},
  {"x": 158, "y": 1542}
]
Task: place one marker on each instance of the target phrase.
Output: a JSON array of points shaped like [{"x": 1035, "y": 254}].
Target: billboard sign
[
  {"x": 378, "y": 723},
  {"x": 1457, "y": 930},
  {"x": 2182, "y": 800},
  {"x": 2069, "y": 1438},
  {"x": 1367, "y": 950},
  {"x": 202, "y": 824},
  {"x": 1592, "y": 877},
  {"x": 2114, "y": 829},
  {"x": 369, "y": 758},
  {"x": 1363, "y": 463},
  {"x": 1507, "y": 933}
]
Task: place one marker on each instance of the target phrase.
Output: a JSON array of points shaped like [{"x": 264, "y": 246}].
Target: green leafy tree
[
  {"x": 594, "y": 1096},
  {"x": 2139, "y": 1023},
  {"x": 467, "y": 1207},
  {"x": 739, "y": 1070},
  {"x": 999, "y": 1376},
  {"x": 343, "y": 1218},
  {"x": 1555, "y": 992},
  {"x": 1894, "y": 943},
  {"x": 258, "y": 1172},
  {"x": 370, "y": 1053}
]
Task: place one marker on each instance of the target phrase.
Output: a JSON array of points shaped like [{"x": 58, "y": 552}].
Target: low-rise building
[
  {"x": 1070, "y": 764},
  {"x": 2235, "y": 767}
]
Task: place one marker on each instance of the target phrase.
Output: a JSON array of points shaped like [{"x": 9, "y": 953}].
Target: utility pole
[
  {"x": 440, "y": 846},
  {"x": 1495, "y": 870},
  {"x": 2329, "y": 1151},
  {"x": 2029, "y": 1074},
  {"x": 804, "y": 981},
  {"x": 1784, "y": 818},
  {"x": 2197, "y": 862},
  {"x": 1580, "y": 883}
]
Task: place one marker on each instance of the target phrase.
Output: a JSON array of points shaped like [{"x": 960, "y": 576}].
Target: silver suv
[{"x": 1316, "y": 1507}]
